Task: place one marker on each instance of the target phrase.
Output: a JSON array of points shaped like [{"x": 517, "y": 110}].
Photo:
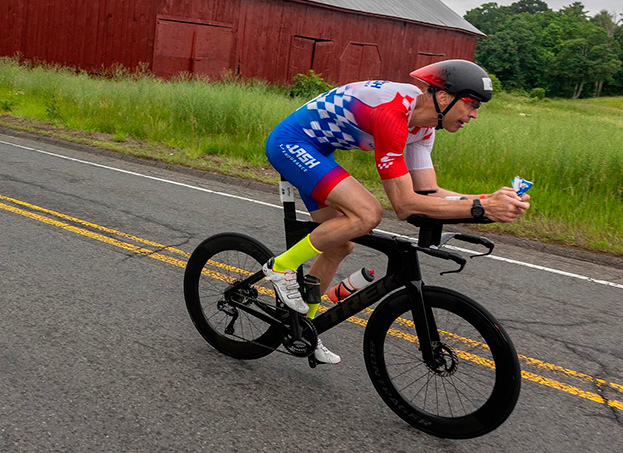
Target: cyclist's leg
[
  {"x": 342, "y": 220},
  {"x": 361, "y": 213},
  {"x": 304, "y": 165},
  {"x": 309, "y": 167},
  {"x": 326, "y": 264},
  {"x": 335, "y": 199}
]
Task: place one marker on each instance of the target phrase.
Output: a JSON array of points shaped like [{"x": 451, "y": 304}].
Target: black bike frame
[{"x": 403, "y": 270}]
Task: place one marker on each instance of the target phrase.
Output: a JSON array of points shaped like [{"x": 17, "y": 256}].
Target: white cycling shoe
[
  {"x": 286, "y": 287},
  {"x": 323, "y": 355}
]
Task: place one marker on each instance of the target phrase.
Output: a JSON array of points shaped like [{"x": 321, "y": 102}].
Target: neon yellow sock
[
  {"x": 296, "y": 255},
  {"x": 313, "y": 308}
]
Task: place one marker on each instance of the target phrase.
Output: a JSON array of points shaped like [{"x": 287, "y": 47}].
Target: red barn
[{"x": 344, "y": 40}]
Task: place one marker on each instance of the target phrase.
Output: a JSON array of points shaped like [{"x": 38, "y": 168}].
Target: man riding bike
[{"x": 398, "y": 122}]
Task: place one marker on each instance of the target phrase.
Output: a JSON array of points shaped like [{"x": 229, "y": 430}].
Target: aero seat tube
[{"x": 286, "y": 194}]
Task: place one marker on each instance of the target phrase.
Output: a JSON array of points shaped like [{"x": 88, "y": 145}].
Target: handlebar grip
[
  {"x": 477, "y": 240},
  {"x": 445, "y": 255},
  {"x": 474, "y": 240}
]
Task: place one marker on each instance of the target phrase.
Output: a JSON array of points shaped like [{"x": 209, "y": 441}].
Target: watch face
[{"x": 477, "y": 210}]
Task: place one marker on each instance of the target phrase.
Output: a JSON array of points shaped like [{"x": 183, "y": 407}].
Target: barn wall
[
  {"x": 85, "y": 34},
  {"x": 268, "y": 39},
  {"x": 270, "y": 28}
]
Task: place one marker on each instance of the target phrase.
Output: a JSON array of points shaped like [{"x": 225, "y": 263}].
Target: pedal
[{"x": 312, "y": 361}]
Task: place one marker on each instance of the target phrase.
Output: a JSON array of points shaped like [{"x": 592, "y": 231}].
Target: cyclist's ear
[{"x": 444, "y": 98}]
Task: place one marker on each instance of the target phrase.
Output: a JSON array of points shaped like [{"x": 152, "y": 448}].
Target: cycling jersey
[{"x": 371, "y": 115}]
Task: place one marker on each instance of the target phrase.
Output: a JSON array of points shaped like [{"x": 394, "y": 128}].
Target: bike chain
[{"x": 257, "y": 343}]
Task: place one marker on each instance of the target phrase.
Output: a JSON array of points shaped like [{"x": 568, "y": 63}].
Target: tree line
[{"x": 565, "y": 52}]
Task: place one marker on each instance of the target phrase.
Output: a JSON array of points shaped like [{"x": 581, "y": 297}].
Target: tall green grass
[
  {"x": 570, "y": 149},
  {"x": 231, "y": 119}
]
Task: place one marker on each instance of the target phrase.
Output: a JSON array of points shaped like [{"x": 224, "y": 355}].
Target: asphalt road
[{"x": 98, "y": 354}]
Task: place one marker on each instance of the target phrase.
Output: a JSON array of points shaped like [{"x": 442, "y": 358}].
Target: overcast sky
[{"x": 592, "y": 6}]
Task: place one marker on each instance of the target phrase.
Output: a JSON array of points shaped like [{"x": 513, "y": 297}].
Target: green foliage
[
  {"x": 52, "y": 110},
  {"x": 497, "y": 85},
  {"x": 566, "y": 52},
  {"x": 309, "y": 85},
  {"x": 537, "y": 93},
  {"x": 6, "y": 105},
  {"x": 488, "y": 17}
]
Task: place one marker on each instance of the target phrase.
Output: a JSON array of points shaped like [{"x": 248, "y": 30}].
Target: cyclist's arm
[
  {"x": 502, "y": 206},
  {"x": 426, "y": 180},
  {"x": 405, "y": 201}
]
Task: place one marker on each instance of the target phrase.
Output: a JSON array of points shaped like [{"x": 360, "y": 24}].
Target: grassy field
[{"x": 570, "y": 149}]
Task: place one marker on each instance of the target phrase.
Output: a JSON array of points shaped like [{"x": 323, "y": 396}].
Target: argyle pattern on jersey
[{"x": 333, "y": 119}]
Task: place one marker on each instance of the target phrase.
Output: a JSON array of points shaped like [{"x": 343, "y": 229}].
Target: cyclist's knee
[{"x": 369, "y": 216}]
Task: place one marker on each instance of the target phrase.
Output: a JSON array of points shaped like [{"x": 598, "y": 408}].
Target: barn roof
[{"x": 433, "y": 12}]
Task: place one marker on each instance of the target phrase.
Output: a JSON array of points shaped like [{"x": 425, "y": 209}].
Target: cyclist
[{"x": 398, "y": 122}]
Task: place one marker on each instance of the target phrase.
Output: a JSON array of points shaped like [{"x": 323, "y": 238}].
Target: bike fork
[{"x": 425, "y": 325}]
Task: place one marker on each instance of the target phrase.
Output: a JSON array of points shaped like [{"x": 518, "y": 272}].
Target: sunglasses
[{"x": 472, "y": 103}]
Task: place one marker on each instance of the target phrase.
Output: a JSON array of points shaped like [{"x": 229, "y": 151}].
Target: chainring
[{"x": 304, "y": 346}]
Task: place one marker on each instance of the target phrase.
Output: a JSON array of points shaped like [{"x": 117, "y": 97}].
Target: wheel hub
[
  {"x": 245, "y": 295},
  {"x": 446, "y": 360}
]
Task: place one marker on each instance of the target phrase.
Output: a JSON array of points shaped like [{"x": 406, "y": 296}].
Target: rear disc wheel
[{"x": 216, "y": 264}]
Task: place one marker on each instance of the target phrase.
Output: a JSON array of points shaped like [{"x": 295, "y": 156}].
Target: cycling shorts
[{"x": 307, "y": 165}]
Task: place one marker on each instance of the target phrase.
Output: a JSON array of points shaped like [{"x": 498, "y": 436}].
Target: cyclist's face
[{"x": 461, "y": 113}]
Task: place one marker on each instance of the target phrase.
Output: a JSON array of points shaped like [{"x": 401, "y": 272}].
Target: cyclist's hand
[
  {"x": 505, "y": 206},
  {"x": 503, "y": 189}
]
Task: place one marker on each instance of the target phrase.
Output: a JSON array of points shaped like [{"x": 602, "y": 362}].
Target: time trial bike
[{"x": 436, "y": 357}]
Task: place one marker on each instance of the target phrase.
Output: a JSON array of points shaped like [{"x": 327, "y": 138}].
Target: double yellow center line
[{"x": 159, "y": 252}]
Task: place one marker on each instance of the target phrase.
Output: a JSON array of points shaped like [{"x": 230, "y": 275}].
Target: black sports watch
[{"x": 478, "y": 212}]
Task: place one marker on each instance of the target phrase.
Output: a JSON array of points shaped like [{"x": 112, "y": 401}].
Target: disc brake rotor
[{"x": 446, "y": 360}]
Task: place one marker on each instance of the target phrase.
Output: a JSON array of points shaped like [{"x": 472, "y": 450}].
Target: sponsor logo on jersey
[
  {"x": 376, "y": 83},
  {"x": 302, "y": 156}
]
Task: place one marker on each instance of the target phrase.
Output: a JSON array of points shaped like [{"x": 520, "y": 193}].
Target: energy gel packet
[{"x": 521, "y": 185}]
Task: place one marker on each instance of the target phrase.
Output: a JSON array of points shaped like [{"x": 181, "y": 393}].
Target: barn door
[
  {"x": 323, "y": 62},
  {"x": 310, "y": 53},
  {"x": 212, "y": 50},
  {"x": 197, "y": 48},
  {"x": 360, "y": 62},
  {"x": 301, "y": 55}
]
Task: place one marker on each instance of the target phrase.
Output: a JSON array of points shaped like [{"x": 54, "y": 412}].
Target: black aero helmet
[{"x": 460, "y": 78}]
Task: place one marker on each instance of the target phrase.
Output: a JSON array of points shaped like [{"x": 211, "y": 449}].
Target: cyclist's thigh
[
  {"x": 312, "y": 170},
  {"x": 324, "y": 214},
  {"x": 351, "y": 198}
]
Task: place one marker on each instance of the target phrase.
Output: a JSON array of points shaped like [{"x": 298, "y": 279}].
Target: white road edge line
[{"x": 154, "y": 178}]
